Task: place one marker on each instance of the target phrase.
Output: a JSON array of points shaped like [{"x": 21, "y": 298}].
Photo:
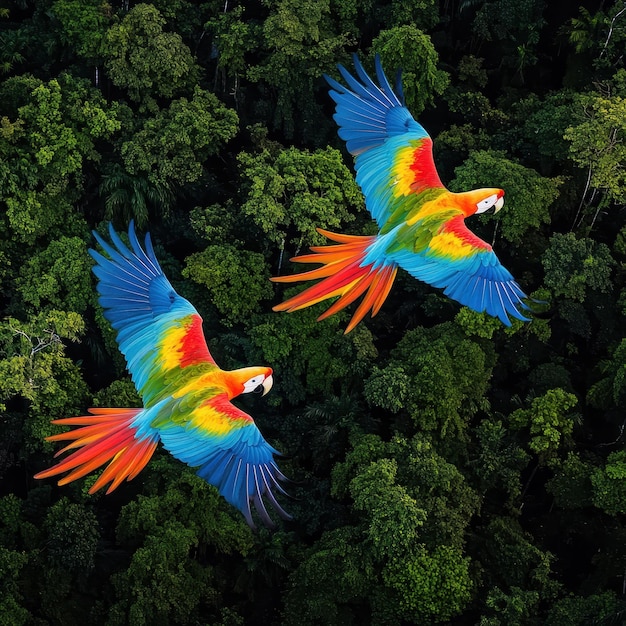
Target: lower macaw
[
  {"x": 421, "y": 224},
  {"x": 186, "y": 396}
]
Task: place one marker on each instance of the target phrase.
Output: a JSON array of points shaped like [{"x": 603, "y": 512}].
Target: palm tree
[
  {"x": 585, "y": 31},
  {"x": 12, "y": 43},
  {"x": 265, "y": 565},
  {"x": 330, "y": 422},
  {"x": 127, "y": 196}
]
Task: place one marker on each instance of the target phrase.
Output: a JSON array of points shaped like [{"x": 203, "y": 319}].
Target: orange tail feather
[
  {"x": 104, "y": 436},
  {"x": 342, "y": 275}
]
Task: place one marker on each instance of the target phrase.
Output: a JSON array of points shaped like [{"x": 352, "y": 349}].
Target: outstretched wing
[
  {"x": 421, "y": 229},
  {"x": 228, "y": 449},
  {"x": 464, "y": 266},
  {"x": 157, "y": 330},
  {"x": 393, "y": 152}
]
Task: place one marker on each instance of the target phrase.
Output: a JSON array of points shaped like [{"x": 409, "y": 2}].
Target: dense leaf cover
[{"x": 446, "y": 469}]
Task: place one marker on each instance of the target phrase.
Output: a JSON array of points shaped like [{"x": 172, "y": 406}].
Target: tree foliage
[
  {"x": 51, "y": 140},
  {"x": 575, "y": 266},
  {"x": 171, "y": 146},
  {"x": 146, "y": 61},
  {"x": 297, "y": 191},
  {"x": 597, "y": 143},
  {"x": 409, "y": 48},
  {"x": 445, "y": 469}
]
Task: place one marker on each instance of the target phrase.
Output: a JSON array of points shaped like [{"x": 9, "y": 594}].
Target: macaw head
[
  {"x": 481, "y": 200},
  {"x": 250, "y": 380}
]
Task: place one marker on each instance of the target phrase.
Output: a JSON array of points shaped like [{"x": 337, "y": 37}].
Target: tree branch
[{"x": 610, "y": 33}]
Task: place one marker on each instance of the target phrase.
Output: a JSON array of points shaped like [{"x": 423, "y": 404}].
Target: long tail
[
  {"x": 343, "y": 275},
  {"x": 105, "y": 435}
]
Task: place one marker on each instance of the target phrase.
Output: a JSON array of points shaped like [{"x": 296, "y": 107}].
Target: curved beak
[
  {"x": 498, "y": 205},
  {"x": 267, "y": 384}
]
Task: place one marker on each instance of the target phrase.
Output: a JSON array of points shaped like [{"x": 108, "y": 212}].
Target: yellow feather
[
  {"x": 449, "y": 245},
  {"x": 402, "y": 174},
  {"x": 170, "y": 346}
]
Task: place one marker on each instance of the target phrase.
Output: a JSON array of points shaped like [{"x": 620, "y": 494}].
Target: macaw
[
  {"x": 421, "y": 224},
  {"x": 186, "y": 396}
]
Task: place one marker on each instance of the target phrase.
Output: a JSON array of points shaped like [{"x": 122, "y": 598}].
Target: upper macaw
[
  {"x": 186, "y": 396},
  {"x": 421, "y": 224}
]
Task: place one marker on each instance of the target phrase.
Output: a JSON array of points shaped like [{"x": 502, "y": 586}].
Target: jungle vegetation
[{"x": 446, "y": 469}]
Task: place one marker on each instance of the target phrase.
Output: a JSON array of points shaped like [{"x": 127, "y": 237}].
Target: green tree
[
  {"x": 84, "y": 24},
  {"x": 12, "y": 611},
  {"x": 300, "y": 45},
  {"x": 172, "y": 145},
  {"x": 421, "y": 13},
  {"x": 236, "y": 279},
  {"x": 234, "y": 37},
  {"x": 58, "y": 277},
  {"x": 571, "y": 484},
  {"x": 420, "y": 370},
  {"x": 293, "y": 192},
  {"x": 51, "y": 140},
  {"x": 394, "y": 516},
  {"x": 162, "y": 585},
  {"x": 72, "y": 537},
  {"x": 585, "y": 31},
  {"x": 610, "y": 390},
  {"x": 409, "y": 48},
  {"x": 497, "y": 460},
  {"x": 170, "y": 531},
  {"x": 516, "y": 575},
  {"x": 13, "y": 44},
  {"x": 404, "y": 559},
  {"x": 516, "y": 26},
  {"x": 435, "y": 484},
  {"x": 600, "y": 35},
  {"x": 609, "y": 491},
  {"x": 431, "y": 586},
  {"x": 130, "y": 197},
  {"x": 146, "y": 61},
  {"x": 539, "y": 125},
  {"x": 311, "y": 358},
  {"x": 602, "y": 608},
  {"x": 34, "y": 369},
  {"x": 13, "y": 560},
  {"x": 574, "y": 266},
  {"x": 597, "y": 144},
  {"x": 518, "y": 607},
  {"x": 549, "y": 421},
  {"x": 499, "y": 19},
  {"x": 331, "y": 580}
]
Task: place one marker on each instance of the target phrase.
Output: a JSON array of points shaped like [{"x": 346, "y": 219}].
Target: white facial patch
[
  {"x": 261, "y": 384},
  {"x": 253, "y": 383},
  {"x": 487, "y": 203}
]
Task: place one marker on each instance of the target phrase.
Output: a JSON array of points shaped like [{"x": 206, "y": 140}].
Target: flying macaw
[
  {"x": 421, "y": 224},
  {"x": 186, "y": 396}
]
